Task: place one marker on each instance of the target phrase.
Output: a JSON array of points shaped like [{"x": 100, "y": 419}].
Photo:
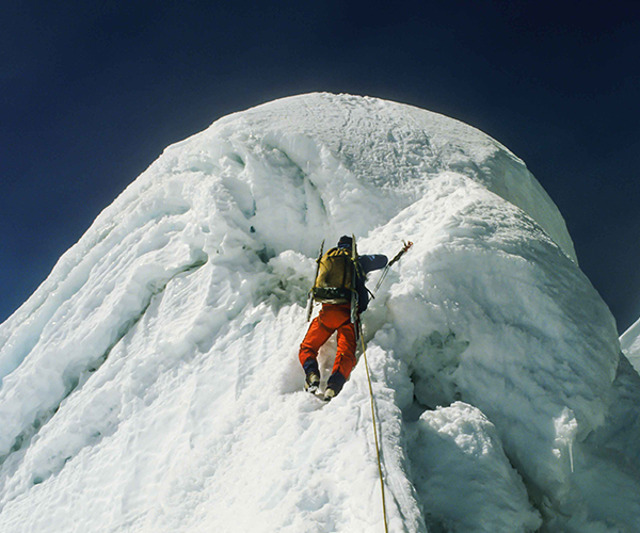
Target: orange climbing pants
[{"x": 332, "y": 317}]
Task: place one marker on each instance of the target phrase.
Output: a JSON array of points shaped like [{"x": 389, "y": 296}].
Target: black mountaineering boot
[
  {"x": 334, "y": 386},
  {"x": 312, "y": 382},
  {"x": 312, "y": 375}
]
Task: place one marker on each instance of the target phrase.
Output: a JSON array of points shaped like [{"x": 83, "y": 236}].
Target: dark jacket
[{"x": 367, "y": 263}]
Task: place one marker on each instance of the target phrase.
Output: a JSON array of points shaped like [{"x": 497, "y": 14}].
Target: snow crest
[{"x": 151, "y": 383}]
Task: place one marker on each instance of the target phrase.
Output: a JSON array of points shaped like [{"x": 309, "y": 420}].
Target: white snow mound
[{"x": 152, "y": 384}]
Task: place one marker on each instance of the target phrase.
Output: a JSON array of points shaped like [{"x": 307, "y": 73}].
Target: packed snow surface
[{"x": 152, "y": 384}]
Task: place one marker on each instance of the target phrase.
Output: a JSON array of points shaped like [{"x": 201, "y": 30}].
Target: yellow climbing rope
[{"x": 375, "y": 430}]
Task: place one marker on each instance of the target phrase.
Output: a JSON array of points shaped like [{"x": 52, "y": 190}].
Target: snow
[
  {"x": 152, "y": 384},
  {"x": 459, "y": 442},
  {"x": 630, "y": 343}
]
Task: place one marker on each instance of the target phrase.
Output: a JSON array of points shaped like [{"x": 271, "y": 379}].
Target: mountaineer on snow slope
[{"x": 340, "y": 287}]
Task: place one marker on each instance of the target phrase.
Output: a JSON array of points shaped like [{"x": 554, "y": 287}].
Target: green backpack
[{"x": 335, "y": 280}]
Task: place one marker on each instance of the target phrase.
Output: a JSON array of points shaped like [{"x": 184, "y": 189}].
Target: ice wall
[{"x": 151, "y": 382}]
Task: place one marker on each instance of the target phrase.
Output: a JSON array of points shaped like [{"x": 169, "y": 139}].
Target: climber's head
[{"x": 345, "y": 242}]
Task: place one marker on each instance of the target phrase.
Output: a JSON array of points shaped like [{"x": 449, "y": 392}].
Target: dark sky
[{"x": 92, "y": 92}]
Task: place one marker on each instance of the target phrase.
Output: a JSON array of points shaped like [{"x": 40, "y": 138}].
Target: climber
[{"x": 333, "y": 287}]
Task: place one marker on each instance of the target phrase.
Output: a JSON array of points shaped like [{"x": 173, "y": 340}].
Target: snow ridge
[{"x": 151, "y": 383}]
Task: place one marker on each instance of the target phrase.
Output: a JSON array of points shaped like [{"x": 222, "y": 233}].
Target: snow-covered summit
[{"x": 151, "y": 383}]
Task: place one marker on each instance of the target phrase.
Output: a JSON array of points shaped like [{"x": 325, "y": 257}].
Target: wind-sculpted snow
[
  {"x": 152, "y": 383},
  {"x": 459, "y": 442}
]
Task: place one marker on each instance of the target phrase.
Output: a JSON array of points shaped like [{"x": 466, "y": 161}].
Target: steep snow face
[
  {"x": 152, "y": 384},
  {"x": 381, "y": 155}
]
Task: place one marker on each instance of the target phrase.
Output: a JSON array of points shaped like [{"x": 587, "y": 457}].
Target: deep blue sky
[{"x": 91, "y": 92}]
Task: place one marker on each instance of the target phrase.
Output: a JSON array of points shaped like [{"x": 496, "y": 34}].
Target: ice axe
[{"x": 405, "y": 247}]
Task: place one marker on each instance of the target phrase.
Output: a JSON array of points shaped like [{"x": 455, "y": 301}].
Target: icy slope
[{"x": 151, "y": 383}]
